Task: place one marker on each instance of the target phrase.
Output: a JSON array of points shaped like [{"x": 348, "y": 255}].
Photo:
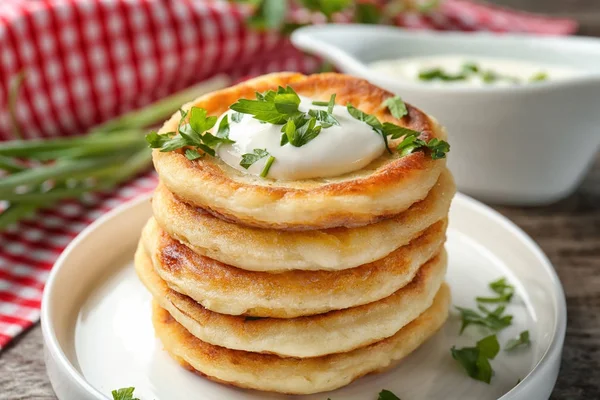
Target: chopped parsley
[
  {"x": 192, "y": 134},
  {"x": 387, "y": 395},
  {"x": 410, "y": 143},
  {"x": 504, "y": 291},
  {"x": 329, "y": 104},
  {"x": 396, "y": 106},
  {"x": 494, "y": 320},
  {"x": 476, "y": 360},
  {"x": 250, "y": 158},
  {"x": 470, "y": 69},
  {"x": 521, "y": 340},
  {"x": 257, "y": 154},
  {"x": 539, "y": 77},
  {"x": 281, "y": 108},
  {"x": 124, "y": 394}
]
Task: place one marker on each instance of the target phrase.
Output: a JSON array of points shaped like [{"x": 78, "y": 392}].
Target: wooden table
[{"x": 569, "y": 233}]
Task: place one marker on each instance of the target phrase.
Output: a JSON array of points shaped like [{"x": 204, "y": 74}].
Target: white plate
[{"x": 98, "y": 334}]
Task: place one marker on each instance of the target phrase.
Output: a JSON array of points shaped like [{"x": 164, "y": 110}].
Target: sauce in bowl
[{"x": 467, "y": 70}]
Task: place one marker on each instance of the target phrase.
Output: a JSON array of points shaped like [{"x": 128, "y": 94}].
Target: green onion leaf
[
  {"x": 199, "y": 121},
  {"x": 324, "y": 117},
  {"x": 223, "y": 131},
  {"x": 539, "y": 77},
  {"x": 521, "y": 340},
  {"x": 267, "y": 167},
  {"x": 493, "y": 320}
]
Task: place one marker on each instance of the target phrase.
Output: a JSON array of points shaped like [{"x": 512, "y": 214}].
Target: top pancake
[{"x": 387, "y": 186}]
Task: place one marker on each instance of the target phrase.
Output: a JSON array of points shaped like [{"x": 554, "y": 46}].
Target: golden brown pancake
[
  {"x": 230, "y": 290},
  {"x": 310, "y": 336},
  {"x": 273, "y": 250},
  {"x": 387, "y": 186},
  {"x": 296, "y": 375}
]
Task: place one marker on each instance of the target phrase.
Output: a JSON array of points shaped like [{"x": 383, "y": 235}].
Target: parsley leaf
[
  {"x": 439, "y": 74},
  {"x": 387, "y": 395},
  {"x": 192, "y": 134},
  {"x": 331, "y": 104},
  {"x": 272, "y": 107},
  {"x": 155, "y": 140},
  {"x": 522, "y": 340},
  {"x": 250, "y": 158},
  {"x": 192, "y": 154},
  {"x": 199, "y": 121},
  {"x": 324, "y": 117},
  {"x": 124, "y": 394},
  {"x": 299, "y": 131},
  {"x": 396, "y": 106},
  {"x": 475, "y": 360},
  {"x": 223, "y": 131},
  {"x": 504, "y": 290},
  {"x": 470, "y": 68},
  {"x": 411, "y": 142},
  {"x": 493, "y": 320}
]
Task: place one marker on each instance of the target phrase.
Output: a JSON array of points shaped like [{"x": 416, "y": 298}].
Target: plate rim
[{"x": 55, "y": 351}]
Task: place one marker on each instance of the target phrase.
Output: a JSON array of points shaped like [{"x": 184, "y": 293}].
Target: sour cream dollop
[{"x": 337, "y": 150}]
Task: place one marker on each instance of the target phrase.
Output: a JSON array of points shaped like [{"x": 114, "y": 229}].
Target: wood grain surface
[{"x": 568, "y": 231}]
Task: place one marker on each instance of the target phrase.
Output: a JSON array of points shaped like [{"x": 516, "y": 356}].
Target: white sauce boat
[{"x": 525, "y": 144}]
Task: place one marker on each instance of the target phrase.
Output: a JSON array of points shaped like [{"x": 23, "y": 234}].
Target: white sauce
[
  {"x": 408, "y": 69},
  {"x": 335, "y": 151}
]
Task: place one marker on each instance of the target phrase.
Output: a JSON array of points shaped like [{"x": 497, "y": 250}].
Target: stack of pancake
[{"x": 297, "y": 286}]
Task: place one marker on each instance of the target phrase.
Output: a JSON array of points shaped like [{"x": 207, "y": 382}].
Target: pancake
[
  {"x": 271, "y": 250},
  {"x": 387, "y": 186},
  {"x": 311, "y": 336},
  {"x": 293, "y": 375},
  {"x": 230, "y": 290}
]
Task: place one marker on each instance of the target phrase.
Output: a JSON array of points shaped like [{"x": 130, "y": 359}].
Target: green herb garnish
[
  {"x": 504, "y": 290},
  {"x": 257, "y": 154},
  {"x": 192, "y": 155},
  {"x": 539, "y": 77},
  {"x": 192, "y": 134},
  {"x": 124, "y": 394},
  {"x": 250, "y": 158},
  {"x": 274, "y": 107},
  {"x": 387, "y": 395},
  {"x": 439, "y": 74},
  {"x": 396, "y": 106},
  {"x": 494, "y": 320},
  {"x": 521, "y": 340},
  {"x": 475, "y": 360}
]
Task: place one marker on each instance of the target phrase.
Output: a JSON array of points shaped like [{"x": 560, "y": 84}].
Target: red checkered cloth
[{"x": 89, "y": 60}]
